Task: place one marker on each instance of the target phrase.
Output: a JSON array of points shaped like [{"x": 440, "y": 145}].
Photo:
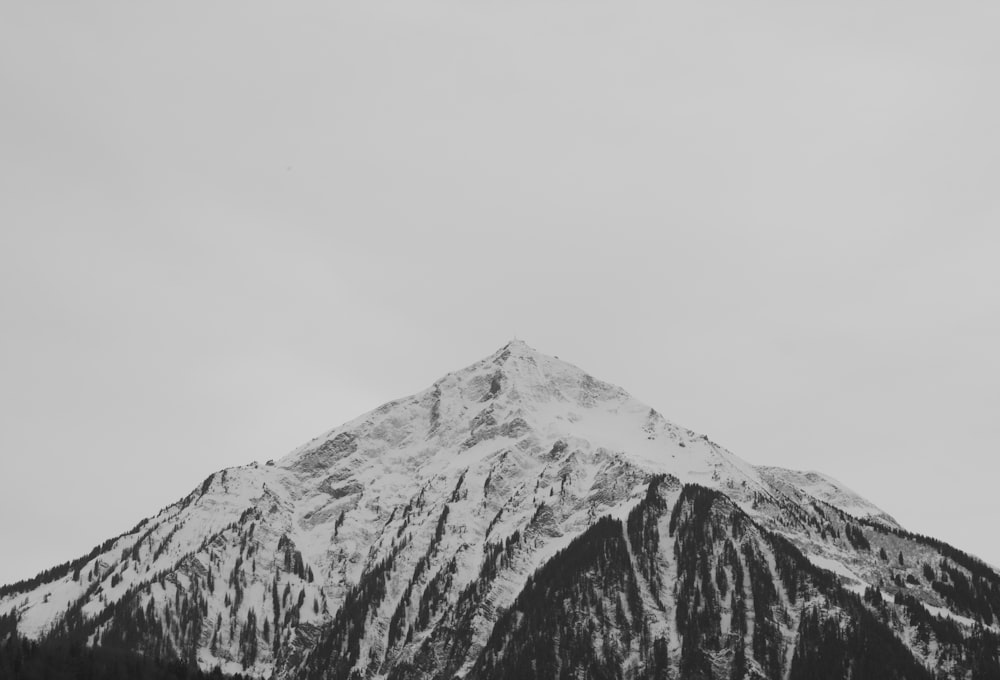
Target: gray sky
[{"x": 228, "y": 226}]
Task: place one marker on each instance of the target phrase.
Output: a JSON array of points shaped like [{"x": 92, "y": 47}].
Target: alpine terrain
[{"x": 521, "y": 519}]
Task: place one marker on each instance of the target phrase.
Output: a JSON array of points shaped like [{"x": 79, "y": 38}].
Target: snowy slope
[
  {"x": 826, "y": 489},
  {"x": 370, "y": 541}
]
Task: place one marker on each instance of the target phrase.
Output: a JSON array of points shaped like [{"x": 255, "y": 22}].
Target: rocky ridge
[{"x": 418, "y": 541}]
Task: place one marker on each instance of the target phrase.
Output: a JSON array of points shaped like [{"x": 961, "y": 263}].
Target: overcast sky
[{"x": 228, "y": 226}]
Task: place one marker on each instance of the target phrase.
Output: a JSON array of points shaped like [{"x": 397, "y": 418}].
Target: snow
[
  {"x": 958, "y": 618},
  {"x": 836, "y": 567},
  {"x": 815, "y": 485},
  {"x": 347, "y": 497}
]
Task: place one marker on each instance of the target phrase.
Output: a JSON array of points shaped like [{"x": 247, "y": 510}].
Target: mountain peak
[
  {"x": 402, "y": 540},
  {"x": 514, "y": 349},
  {"x": 516, "y": 343},
  {"x": 522, "y": 373}
]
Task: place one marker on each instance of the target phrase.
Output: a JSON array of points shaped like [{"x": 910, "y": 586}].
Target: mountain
[{"x": 523, "y": 519}]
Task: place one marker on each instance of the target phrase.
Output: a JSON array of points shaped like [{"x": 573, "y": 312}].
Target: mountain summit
[{"x": 521, "y": 518}]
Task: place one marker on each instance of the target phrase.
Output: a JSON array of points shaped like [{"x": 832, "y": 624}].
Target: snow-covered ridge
[
  {"x": 511, "y": 457},
  {"x": 828, "y": 490}
]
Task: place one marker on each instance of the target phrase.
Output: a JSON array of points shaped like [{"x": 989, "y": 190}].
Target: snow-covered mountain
[{"x": 521, "y": 518}]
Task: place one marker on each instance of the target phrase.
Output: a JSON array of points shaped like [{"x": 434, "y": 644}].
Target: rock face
[{"x": 522, "y": 519}]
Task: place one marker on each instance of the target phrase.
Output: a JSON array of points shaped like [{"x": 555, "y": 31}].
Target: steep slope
[
  {"x": 807, "y": 486},
  {"x": 397, "y": 544},
  {"x": 748, "y": 604}
]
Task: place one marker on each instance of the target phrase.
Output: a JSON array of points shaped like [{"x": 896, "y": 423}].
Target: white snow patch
[{"x": 836, "y": 567}]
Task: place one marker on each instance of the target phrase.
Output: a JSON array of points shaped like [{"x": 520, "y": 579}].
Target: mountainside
[{"x": 521, "y": 519}]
